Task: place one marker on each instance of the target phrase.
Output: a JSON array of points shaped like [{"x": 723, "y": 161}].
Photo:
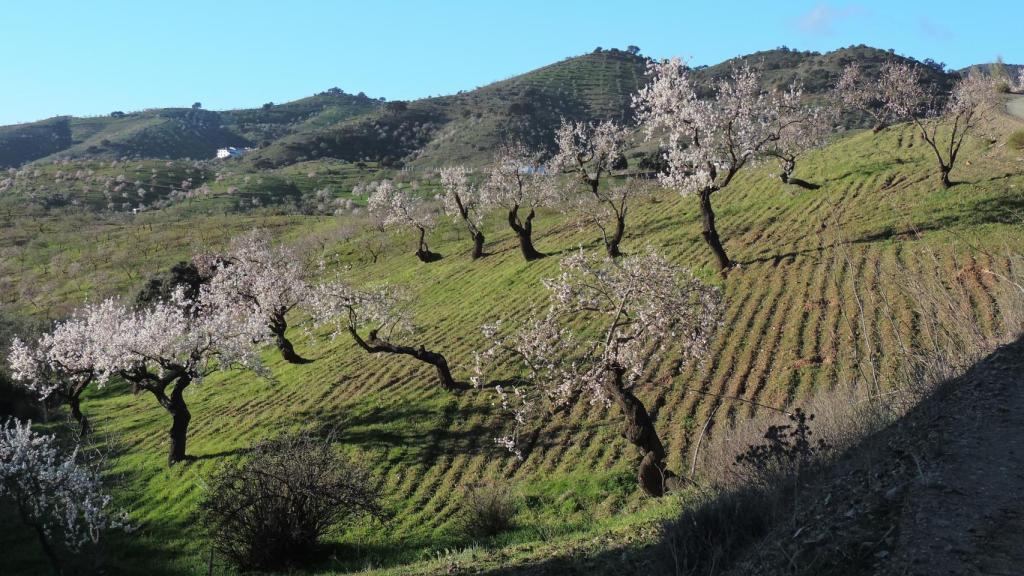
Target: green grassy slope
[{"x": 786, "y": 333}]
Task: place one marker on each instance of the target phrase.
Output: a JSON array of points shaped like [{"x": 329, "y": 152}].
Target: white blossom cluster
[
  {"x": 398, "y": 208},
  {"x": 254, "y": 275},
  {"x": 344, "y": 309},
  {"x": 710, "y": 140},
  {"x": 519, "y": 179},
  {"x": 603, "y": 316},
  {"x": 51, "y": 490},
  {"x": 589, "y": 149},
  {"x": 176, "y": 338},
  {"x": 462, "y": 197}
]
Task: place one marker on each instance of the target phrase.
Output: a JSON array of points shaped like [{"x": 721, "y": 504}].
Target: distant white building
[{"x": 230, "y": 152}]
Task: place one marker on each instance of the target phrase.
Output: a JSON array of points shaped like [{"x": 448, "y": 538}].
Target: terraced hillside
[
  {"x": 468, "y": 126},
  {"x": 792, "y": 326}
]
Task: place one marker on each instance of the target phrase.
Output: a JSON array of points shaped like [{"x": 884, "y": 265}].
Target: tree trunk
[
  {"x": 710, "y": 233},
  {"x": 423, "y": 251},
  {"x": 74, "y": 401},
  {"x": 944, "y": 175},
  {"x": 375, "y": 345},
  {"x": 612, "y": 244},
  {"x": 278, "y": 326},
  {"x": 180, "y": 417},
  {"x": 478, "y": 245},
  {"x": 652, "y": 475},
  {"x": 525, "y": 233}
]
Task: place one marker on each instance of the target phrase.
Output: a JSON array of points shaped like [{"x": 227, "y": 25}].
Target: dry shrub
[
  {"x": 1016, "y": 140},
  {"x": 272, "y": 510},
  {"x": 488, "y": 509}
]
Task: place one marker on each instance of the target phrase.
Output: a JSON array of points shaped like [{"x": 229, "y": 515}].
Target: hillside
[
  {"x": 468, "y": 126},
  {"x": 172, "y": 133},
  {"x": 460, "y": 128},
  {"x": 791, "y": 328}
]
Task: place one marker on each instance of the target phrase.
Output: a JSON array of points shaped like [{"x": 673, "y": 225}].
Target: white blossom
[{"x": 51, "y": 490}]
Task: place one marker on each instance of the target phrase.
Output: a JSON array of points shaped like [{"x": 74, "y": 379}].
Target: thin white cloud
[
  {"x": 822, "y": 18},
  {"x": 934, "y": 30}
]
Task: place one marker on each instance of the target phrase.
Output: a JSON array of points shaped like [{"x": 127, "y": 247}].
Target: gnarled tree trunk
[
  {"x": 788, "y": 166},
  {"x": 612, "y": 244},
  {"x": 478, "y": 245},
  {"x": 944, "y": 171},
  {"x": 524, "y": 232},
  {"x": 74, "y": 401},
  {"x": 709, "y": 232},
  {"x": 423, "y": 251},
  {"x": 374, "y": 345},
  {"x": 180, "y": 417},
  {"x": 653, "y": 476},
  {"x": 278, "y": 326}
]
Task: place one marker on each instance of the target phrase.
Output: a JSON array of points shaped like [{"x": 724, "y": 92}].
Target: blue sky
[{"x": 91, "y": 57}]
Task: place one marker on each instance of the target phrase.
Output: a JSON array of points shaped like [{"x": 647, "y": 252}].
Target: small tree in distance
[
  {"x": 856, "y": 91},
  {"x": 518, "y": 182},
  {"x": 607, "y": 322},
  {"x": 462, "y": 200},
  {"x": 942, "y": 121},
  {"x": 399, "y": 208},
  {"x": 591, "y": 152},
  {"x": 384, "y": 312}
]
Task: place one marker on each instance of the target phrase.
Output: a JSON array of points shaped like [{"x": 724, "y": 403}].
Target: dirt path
[
  {"x": 1016, "y": 106},
  {"x": 940, "y": 492},
  {"x": 966, "y": 514}
]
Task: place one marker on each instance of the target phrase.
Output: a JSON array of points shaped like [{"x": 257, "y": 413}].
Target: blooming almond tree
[
  {"x": 55, "y": 494},
  {"x": 710, "y": 141},
  {"x": 163, "y": 349},
  {"x": 942, "y": 121},
  {"x": 383, "y": 312},
  {"x": 854, "y": 90},
  {"x": 801, "y": 128},
  {"x": 607, "y": 321},
  {"x": 399, "y": 208},
  {"x": 517, "y": 183},
  {"x": 51, "y": 368},
  {"x": 591, "y": 152},
  {"x": 266, "y": 280},
  {"x": 462, "y": 200}
]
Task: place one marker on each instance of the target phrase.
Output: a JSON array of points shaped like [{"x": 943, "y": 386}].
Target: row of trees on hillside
[
  {"x": 606, "y": 317},
  {"x": 213, "y": 314},
  {"x": 707, "y": 142}
]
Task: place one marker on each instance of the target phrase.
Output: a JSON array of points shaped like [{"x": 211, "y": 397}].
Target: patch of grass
[{"x": 1016, "y": 140}]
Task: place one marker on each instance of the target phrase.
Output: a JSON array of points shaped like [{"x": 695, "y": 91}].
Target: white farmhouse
[{"x": 229, "y": 152}]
